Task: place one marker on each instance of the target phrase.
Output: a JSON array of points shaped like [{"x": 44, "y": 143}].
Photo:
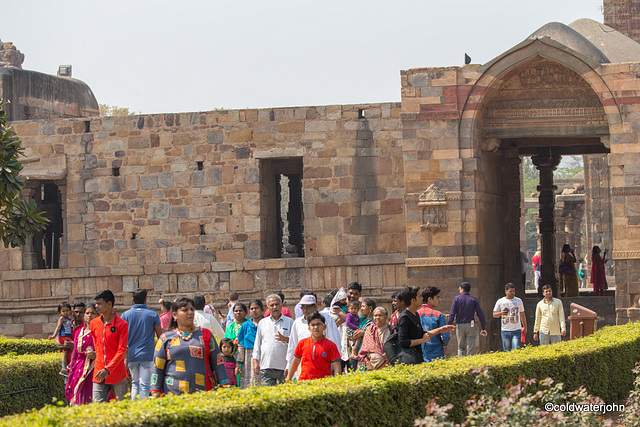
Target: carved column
[
  {"x": 571, "y": 234},
  {"x": 64, "y": 244},
  {"x": 536, "y": 218},
  {"x": 512, "y": 266},
  {"x": 29, "y": 258},
  {"x": 546, "y": 164},
  {"x": 560, "y": 235}
]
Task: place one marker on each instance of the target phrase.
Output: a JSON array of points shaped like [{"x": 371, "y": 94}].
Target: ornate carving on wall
[
  {"x": 452, "y": 261},
  {"x": 622, "y": 255},
  {"x": 434, "y": 205},
  {"x": 544, "y": 93},
  {"x": 625, "y": 191}
]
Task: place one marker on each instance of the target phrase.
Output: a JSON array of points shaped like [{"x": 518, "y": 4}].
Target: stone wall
[
  {"x": 623, "y": 16},
  {"x": 172, "y": 203},
  {"x": 30, "y": 95}
]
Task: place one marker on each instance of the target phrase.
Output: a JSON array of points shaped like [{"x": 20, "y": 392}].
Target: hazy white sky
[{"x": 196, "y": 55}]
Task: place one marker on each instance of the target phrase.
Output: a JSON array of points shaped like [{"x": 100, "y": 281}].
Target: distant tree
[
  {"x": 18, "y": 217},
  {"x": 114, "y": 110}
]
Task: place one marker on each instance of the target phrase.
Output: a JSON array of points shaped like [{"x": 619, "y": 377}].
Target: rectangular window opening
[
  {"x": 115, "y": 171},
  {"x": 282, "y": 231}
]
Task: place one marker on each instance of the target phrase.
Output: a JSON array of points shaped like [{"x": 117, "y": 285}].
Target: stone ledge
[
  {"x": 353, "y": 260},
  {"x": 447, "y": 261}
]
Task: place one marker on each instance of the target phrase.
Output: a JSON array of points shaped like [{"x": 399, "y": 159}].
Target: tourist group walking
[{"x": 190, "y": 346}]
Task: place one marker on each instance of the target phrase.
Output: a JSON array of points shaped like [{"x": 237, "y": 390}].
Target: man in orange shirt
[
  {"x": 110, "y": 337},
  {"x": 316, "y": 353}
]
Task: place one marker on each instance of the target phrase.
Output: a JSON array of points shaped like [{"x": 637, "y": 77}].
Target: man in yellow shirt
[{"x": 550, "y": 322}]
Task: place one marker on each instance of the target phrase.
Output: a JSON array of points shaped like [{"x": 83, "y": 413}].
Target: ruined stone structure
[
  {"x": 30, "y": 95},
  {"x": 425, "y": 191}
]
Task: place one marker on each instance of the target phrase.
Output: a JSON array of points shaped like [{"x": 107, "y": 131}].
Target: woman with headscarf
[
  {"x": 246, "y": 340},
  {"x": 371, "y": 353},
  {"x": 598, "y": 275},
  {"x": 79, "y": 387},
  {"x": 567, "y": 273},
  {"x": 187, "y": 358}
]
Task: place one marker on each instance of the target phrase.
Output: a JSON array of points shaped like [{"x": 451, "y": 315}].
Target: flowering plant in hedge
[
  {"x": 520, "y": 404},
  {"x": 391, "y": 396}
]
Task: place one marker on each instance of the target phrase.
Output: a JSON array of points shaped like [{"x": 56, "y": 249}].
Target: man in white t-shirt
[{"x": 514, "y": 322}]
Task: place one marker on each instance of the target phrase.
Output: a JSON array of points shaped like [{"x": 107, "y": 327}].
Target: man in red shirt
[
  {"x": 316, "y": 353},
  {"x": 110, "y": 337}
]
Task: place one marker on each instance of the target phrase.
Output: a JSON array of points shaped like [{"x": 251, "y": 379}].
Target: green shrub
[
  {"x": 603, "y": 362},
  {"x": 23, "y": 346},
  {"x": 527, "y": 403},
  {"x": 29, "y": 381}
]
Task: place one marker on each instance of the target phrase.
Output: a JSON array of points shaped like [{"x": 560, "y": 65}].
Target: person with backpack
[{"x": 187, "y": 358}]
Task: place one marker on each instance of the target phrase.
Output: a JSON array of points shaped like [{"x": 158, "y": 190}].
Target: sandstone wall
[{"x": 167, "y": 226}]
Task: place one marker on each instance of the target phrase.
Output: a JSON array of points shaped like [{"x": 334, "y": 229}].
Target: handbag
[{"x": 396, "y": 354}]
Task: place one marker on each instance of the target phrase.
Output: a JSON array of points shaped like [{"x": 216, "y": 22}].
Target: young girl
[
  {"x": 63, "y": 333},
  {"x": 352, "y": 322},
  {"x": 228, "y": 348}
]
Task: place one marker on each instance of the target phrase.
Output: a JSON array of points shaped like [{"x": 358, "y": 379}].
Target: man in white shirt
[
  {"x": 550, "y": 321},
  {"x": 514, "y": 323},
  {"x": 270, "y": 347},
  {"x": 300, "y": 329},
  {"x": 206, "y": 320}
]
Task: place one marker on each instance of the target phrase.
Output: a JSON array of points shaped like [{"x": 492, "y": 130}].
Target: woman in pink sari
[
  {"x": 79, "y": 388},
  {"x": 371, "y": 354}
]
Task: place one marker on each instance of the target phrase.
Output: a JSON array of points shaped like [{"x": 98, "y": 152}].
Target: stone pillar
[
  {"x": 64, "y": 244},
  {"x": 546, "y": 164},
  {"x": 512, "y": 266},
  {"x": 536, "y": 218},
  {"x": 29, "y": 258},
  {"x": 569, "y": 229},
  {"x": 560, "y": 235}
]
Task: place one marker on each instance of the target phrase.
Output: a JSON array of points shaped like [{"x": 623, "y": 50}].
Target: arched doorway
[{"x": 545, "y": 109}]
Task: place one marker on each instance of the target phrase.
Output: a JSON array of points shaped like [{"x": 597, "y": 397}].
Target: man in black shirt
[{"x": 410, "y": 333}]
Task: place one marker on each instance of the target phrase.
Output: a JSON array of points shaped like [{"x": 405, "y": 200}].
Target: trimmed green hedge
[
  {"x": 29, "y": 381},
  {"x": 24, "y": 346},
  {"x": 603, "y": 362}
]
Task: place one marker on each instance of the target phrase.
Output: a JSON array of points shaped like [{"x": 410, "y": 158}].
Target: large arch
[{"x": 543, "y": 99}]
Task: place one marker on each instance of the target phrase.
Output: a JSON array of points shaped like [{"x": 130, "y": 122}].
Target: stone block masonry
[{"x": 172, "y": 203}]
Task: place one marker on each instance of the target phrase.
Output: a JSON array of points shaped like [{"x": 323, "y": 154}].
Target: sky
[{"x": 195, "y": 55}]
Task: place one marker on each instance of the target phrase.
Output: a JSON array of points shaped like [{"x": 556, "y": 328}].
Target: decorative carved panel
[
  {"x": 434, "y": 205},
  {"x": 544, "y": 94}
]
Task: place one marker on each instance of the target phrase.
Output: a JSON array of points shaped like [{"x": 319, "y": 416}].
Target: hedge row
[
  {"x": 29, "y": 381},
  {"x": 603, "y": 362},
  {"x": 23, "y": 346}
]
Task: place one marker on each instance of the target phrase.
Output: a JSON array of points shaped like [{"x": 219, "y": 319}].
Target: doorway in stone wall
[{"x": 539, "y": 113}]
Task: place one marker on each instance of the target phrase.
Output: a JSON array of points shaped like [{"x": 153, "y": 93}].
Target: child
[
  {"x": 63, "y": 334},
  {"x": 353, "y": 322},
  {"x": 228, "y": 348}
]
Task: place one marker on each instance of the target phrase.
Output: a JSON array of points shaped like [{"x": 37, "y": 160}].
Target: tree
[
  {"x": 18, "y": 218},
  {"x": 114, "y": 110}
]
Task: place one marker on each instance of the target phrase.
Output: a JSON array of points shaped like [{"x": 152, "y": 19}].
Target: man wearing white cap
[{"x": 300, "y": 329}]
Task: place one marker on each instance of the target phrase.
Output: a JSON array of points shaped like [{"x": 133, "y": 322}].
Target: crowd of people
[
  {"x": 572, "y": 273},
  {"x": 190, "y": 346}
]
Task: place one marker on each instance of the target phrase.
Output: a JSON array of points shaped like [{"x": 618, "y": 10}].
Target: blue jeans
[
  {"x": 511, "y": 340},
  {"x": 140, "y": 379}
]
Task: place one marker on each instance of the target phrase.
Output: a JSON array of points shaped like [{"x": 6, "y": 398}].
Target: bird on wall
[{"x": 467, "y": 59}]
